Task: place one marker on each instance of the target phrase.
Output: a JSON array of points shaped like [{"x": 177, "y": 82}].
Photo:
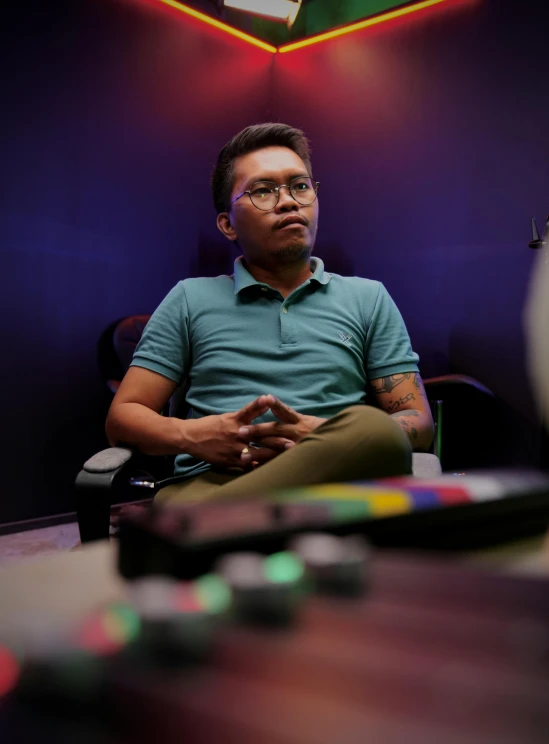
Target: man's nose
[{"x": 285, "y": 200}]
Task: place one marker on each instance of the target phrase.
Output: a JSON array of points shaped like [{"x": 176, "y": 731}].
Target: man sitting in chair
[{"x": 281, "y": 357}]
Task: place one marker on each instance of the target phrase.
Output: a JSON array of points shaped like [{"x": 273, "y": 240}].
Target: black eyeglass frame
[{"x": 277, "y": 190}]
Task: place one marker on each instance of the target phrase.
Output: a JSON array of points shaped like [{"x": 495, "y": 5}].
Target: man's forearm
[
  {"x": 135, "y": 425},
  {"x": 418, "y": 426}
]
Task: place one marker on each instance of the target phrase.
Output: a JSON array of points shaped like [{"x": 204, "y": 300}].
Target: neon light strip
[
  {"x": 218, "y": 24},
  {"x": 305, "y": 42},
  {"x": 358, "y": 26}
]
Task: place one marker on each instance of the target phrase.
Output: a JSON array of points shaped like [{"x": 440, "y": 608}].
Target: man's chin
[{"x": 295, "y": 253}]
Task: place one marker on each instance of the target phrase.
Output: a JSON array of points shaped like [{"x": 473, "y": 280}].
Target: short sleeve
[
  {"x": 165, "y": 344},
  {"x": 388, "y": 350}
]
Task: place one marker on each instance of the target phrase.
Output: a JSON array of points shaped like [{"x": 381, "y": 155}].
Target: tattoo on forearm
[
  {"x": 416, "y": 379},
  {"x": 397, "y": 404},
  {"x": 408, "y": 429},
  {"x": 388, "y": 384}
]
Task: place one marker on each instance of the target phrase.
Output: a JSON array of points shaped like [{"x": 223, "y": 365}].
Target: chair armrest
[
  {"x": 466, "y": 414},
  {"x": 108, "y": 460},
  {"x": 106, "y": 479},
  {"x": 445, "y": 383},
  {"x": 115, "y": 466},
  {"x": 425, "y": 465}
]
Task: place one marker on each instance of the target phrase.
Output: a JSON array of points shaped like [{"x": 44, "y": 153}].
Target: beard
[{"x": 294, "y": 253}]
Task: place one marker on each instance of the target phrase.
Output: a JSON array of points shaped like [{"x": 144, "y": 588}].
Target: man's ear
[{"x": 224, "y": 226}]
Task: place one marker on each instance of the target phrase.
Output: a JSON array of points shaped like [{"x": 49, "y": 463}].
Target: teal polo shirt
[{"x": 234, "y": 338}]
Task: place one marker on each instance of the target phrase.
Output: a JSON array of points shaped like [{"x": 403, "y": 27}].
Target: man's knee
[
  {"x": 368, "y": 416},
  {"x": 367, "y": 422}
]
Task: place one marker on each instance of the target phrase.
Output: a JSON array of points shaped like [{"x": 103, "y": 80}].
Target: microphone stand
[{"x": 536, "y": 241}]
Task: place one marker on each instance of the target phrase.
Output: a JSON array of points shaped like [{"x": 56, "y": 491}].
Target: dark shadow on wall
[
  {"x": 214, "y": 256},
  {"x": 336, "y": 259},
  {"x": 517, "y": 428}
]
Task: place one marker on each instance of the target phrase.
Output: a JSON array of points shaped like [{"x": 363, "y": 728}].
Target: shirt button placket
[{"x": 286, "y": 327}]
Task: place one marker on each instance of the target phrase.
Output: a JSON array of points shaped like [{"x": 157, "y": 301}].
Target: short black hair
[{"x": 248, "y": 140}]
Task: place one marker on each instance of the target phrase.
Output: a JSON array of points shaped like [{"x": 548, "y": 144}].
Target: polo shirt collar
[{"x": 243, "y": 278}]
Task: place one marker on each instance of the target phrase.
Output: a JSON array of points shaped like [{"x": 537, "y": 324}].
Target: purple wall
[
  {"x": 113, "y": 114},
  {"x": 430, "y": 141}
]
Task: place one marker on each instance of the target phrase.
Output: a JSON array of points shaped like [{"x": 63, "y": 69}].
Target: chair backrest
[
  {"x": 115, "y": 350},
  {"x": 126, "y": 336},
  {"x": 116, "y": 346}
]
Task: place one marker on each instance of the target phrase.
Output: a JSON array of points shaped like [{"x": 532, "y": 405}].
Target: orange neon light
[
  {"x": 359, "y": 25},
  {"x": 218, "y": 24}
]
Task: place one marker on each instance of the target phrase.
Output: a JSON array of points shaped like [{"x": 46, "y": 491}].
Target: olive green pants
[{"x": 358, "y": 443}]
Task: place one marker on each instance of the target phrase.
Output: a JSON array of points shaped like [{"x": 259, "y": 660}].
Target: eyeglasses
[{"x": 265, "y": 194}]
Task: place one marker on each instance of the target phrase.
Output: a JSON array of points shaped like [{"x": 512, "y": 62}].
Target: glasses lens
[
  {"x": 303, "y": 190},
  {"x": 263, "y": 195}
]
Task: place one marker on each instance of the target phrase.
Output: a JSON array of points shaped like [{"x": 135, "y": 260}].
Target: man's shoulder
[
  {"x": 196, "y": 286},
  {"x": 355, "y": 284},
  {"x": 196, "y": 292},
  {"x": 206, "y": 281}
]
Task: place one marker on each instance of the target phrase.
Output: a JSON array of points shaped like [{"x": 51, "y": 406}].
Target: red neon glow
[
  {"x": 218, "y": 24},
  {"x": 9, "y": 671}
]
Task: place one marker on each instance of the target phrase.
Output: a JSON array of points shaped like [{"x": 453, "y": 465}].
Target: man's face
[{"x": 271, "y": 234}]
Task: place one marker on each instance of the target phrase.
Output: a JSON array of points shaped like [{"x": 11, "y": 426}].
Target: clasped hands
[{"x": 232, "y": 440}]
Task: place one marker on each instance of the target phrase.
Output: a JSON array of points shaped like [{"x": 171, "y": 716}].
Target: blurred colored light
[
  {"x": 122, "y": 623},
  {"x": 106, "y": 632},
  {"x": 385, "y": 504},
  {"x": 349, "y": 510},
  {"x": 213, "y": 593},
  {"x": 218, "y": 24},
  {"x": 9, "y": 671},
  {"x": 359, "y": 25},
  {"x": 186, "y": 600},
  {"x": 282, "y": 568}
]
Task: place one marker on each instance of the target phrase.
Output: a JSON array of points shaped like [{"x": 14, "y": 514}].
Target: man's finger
[
  {"x": 280, "y": 444},
  {"x": 252, "y": 410},
  {"x": 284, "y": 412},
  {"x": 255, "y": 432},
  {"x": 258, "y": 455}
]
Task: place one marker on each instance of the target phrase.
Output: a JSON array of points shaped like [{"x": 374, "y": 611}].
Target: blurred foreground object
[
  {"x": 536, "y": 321},
  {"x": 430, "y": 652}
]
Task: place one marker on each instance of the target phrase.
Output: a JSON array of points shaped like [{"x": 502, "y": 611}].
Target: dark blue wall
[
  {"x": 112, "y": 116},
  {"x": 430, "y": 140}
]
